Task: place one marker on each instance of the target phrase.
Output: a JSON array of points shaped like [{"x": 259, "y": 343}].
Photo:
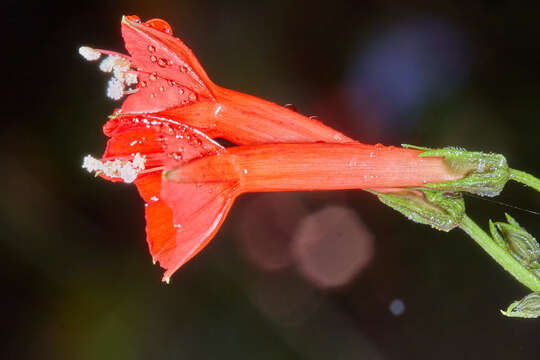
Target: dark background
[{"x": 76, "y": 275}]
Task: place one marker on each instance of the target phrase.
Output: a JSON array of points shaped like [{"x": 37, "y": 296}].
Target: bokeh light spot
[{"x": 331, "y": 246}]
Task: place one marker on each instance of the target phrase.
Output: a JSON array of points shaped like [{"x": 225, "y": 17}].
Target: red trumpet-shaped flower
[
  {"x": 185, "y": 208},
  {"x": 166, "y": 126}
]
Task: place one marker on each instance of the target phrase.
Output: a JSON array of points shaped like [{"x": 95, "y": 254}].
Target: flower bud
[
  {"x": 528, "y": 307},
  {"x": 442, "y": 211},
  {"x": 521, "y": 244}
]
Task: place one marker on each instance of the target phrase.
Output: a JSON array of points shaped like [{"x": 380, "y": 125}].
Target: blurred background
[{"x": 326, "y": 275}]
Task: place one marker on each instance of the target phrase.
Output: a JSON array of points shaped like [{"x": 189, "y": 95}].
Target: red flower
[
  {"x": 185, "y": 208},
  {"x": 173, "y": 85},
  {"x": 166, "y": 126}
]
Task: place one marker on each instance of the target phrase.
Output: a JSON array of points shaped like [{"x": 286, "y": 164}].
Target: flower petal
[
  {"x": 169, "y": 73},
  {"x": 198, "y": 212},
  {"x": 160, "y": 230}
]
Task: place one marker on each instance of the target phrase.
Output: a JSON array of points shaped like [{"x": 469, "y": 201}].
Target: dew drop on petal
[
  {"x": 192, "y": 97},
  {"x": 162, "y": 62},
  {"x": 153, "y": 76},
  {"x": 153, "y": 58},
  {"x": 134, "y": 18},
  {"x": 151, "y": 48},
  {"x": 160, "y": 25}
]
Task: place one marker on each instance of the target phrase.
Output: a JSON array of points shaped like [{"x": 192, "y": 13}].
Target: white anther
[
  {"x": 107, "y": 64},
  {"x": 126, "y": 170},
  {"x": 115, "y": 89},
  {"x": 130, "y": 78},
  {"x": 120, "y": 67},
  {"x": 89, "y": 53}
]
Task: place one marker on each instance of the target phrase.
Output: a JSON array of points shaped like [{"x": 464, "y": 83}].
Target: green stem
[
  {"x": 500, "y": 255},
  {"x": 524, "y": 178}
]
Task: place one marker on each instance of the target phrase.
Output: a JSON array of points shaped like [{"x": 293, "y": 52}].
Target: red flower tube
[{"x": 293, "y": 167}]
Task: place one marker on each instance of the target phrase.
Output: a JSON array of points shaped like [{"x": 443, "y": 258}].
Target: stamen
[
  {"x": 115, "y": 89},
  {"x": 107, "y": 65},
  {"x": 89, "y": 53},
  {"x": 126, "y": 170},
  {"x": 119, "y": 65}
]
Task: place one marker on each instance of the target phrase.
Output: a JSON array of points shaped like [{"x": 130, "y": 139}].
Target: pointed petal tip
[{"x": 130, "y": 19}]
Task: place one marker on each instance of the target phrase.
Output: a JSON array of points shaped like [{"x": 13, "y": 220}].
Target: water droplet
[
  {"x": 143, "y": 83},
  {"x": 162, "y": 62},
  {"x": 161, "y": 88},
  {"x": 171, "y": 82},
  {"x": 371, "y": 154},
  {"x": 183, "y": 68},
  {"x": 152, "y": 95},
  {"x": 192, "y": 97},
  {"x": 184, "y": 102},
  {"x": 134, "y": 18},
  {"x": 153, "y": 58},
  {"x": 291, "y": 107},
  {"x": 151, "y": 48},
  {"x": 153, "y": 76},
  {"x": 180, "y": 91},
  {"x": 160, "y": 25},
  {"x": 177, "y": 155}
]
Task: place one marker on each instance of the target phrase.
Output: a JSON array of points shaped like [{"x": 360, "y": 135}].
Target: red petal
[
  {"x": 169, "y": 73},
  {"x": 198, "y": 212},
  {"x": 182, "y": 218},
  {"x": 160, "y": 232},
  {"x": 199, "y": 209}
]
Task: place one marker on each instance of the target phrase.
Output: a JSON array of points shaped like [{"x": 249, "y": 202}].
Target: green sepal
[
  {"x": 496, "y": 236},
  {"x": 442, "y": 211},
  {"x": 522, "y": 245},
  {"x": 484, "y": 174},
  {"x": 528, "y": 307},
  {"x": 481, "y": 173}
]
